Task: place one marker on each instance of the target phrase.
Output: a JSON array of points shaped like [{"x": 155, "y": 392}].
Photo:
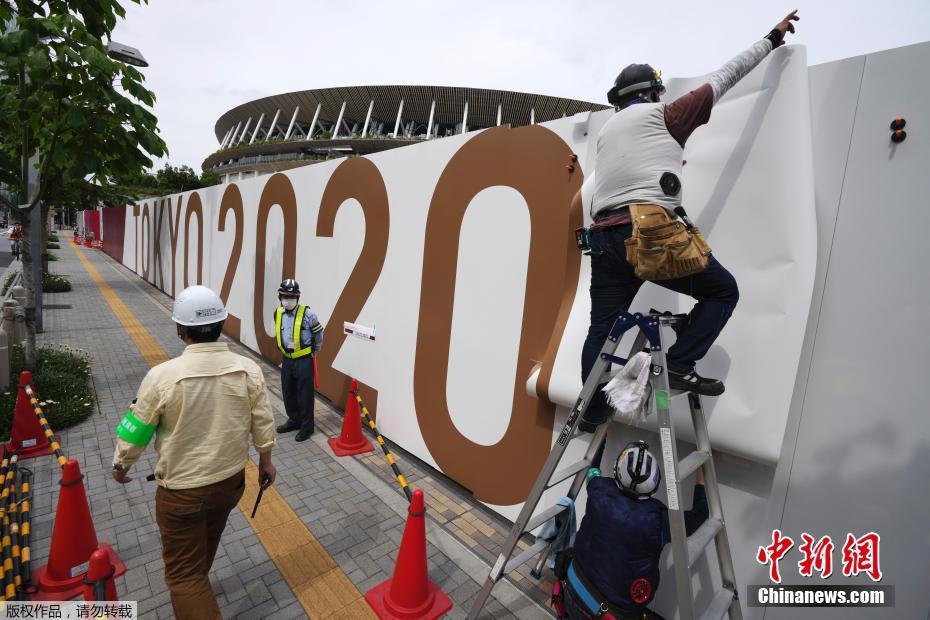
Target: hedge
[{"x": 61, "y": 381}]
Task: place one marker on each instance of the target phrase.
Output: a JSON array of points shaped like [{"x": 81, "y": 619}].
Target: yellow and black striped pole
[
  {"x": 17, "y": 560},
  {"x": 9, "y": 574},
  {"x": 4, "y": 466},
  {"x": 26, "y": 588},
  {"x": 7, "y": 482},
  {"x": 49, "y": 434},
  {"x": 16, "y": 506},
  {"x": 384, "y": 448},
  {"x": 9, "y": 590}
]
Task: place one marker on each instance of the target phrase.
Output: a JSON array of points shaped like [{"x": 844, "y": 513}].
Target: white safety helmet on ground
[
  {"x": 637, "y": 471},
  {"x": 198, "y": 305}
]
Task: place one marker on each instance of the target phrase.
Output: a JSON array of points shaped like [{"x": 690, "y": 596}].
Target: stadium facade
[{"x": 299, "y": 128}]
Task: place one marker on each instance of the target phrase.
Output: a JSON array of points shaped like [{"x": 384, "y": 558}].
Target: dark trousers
[
  {"x": 297, "y": 387},
  {"x": 613, "y": 287},
  {"x": 191, "y": 522}
]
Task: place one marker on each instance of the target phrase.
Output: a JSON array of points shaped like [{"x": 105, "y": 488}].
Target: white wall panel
[{"x": 864, "y": 441}]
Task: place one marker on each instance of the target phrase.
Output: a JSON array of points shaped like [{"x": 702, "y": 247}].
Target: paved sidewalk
[{"x": 351, "y": 506}]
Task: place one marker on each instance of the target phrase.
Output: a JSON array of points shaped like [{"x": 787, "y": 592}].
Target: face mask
[{"x": 289, "y": 304}]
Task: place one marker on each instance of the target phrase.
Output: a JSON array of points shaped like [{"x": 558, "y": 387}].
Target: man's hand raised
[{"x": 785, "y": 25}]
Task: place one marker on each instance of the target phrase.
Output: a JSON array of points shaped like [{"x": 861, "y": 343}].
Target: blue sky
[{"x": 208, "y": 56}]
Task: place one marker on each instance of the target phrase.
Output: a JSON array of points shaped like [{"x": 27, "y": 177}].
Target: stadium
[{"x": 300, "y": 128}]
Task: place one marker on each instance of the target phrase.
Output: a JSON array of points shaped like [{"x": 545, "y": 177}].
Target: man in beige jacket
[{"x": 201, "y": 407}]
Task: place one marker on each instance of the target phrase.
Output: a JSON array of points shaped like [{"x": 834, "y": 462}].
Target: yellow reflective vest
[{"x": 298, "y": 351}]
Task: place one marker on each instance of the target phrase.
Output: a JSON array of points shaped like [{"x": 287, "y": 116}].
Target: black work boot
[
  {"x": 287, "y": 427},
  {"x": 693, "y": 382},
  {"x": 597, "y": 413},
  {"x": 304, "y": 434}
]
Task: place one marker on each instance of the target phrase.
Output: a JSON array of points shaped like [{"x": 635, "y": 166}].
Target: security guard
[
  {"x": 299, "y": 336},
  {"x": 201, "y": 407}
]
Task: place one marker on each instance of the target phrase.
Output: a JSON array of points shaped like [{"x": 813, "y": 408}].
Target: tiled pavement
[{"x": 352, "y": 506}]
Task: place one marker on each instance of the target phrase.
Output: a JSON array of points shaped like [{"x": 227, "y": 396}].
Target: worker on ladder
[
  {"x": 614, "y": 567},
  {"x": 637, "y": 187}
]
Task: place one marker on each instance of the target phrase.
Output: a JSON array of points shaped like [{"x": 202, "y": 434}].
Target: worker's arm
[
  {"x": 262, "y": 427},
  {"x": 314, "y": 330},
  {"x": 137, "y": 427},
  {"x": 695, "y": 517},
  {"x": 692, "y": 110}
]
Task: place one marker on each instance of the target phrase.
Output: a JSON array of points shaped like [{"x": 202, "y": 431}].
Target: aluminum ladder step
[
  {"x": 526, "y": 555},
  {"x": 719, "y": 605},
  {"x": 691, "y": 463},
  {"x": 698, "y": 541},
  {"x": 544, "y": 516},
  {"x": 564, "y": 474}
]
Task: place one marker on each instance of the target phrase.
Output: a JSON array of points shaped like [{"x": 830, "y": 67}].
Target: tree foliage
[
  {"x": 168, "y": 180},
  {"x": 86, "y": 115}
]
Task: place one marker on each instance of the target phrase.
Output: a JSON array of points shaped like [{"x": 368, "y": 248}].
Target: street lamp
[{"x": 126, "y": 53}]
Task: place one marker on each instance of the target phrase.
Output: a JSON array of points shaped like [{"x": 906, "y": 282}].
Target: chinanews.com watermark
[
  {"x": 859, "y": 555},
  {"x": 821, "y": 596}
]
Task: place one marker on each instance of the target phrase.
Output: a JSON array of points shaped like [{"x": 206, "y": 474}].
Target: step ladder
[{"x": 686, "y": 550}]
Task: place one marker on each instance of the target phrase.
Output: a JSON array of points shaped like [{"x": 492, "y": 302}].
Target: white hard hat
[
  {"x": 198, "y": 305},
  {"x": 637, "y": 471}
]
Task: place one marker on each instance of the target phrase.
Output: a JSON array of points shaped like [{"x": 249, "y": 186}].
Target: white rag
[{"x": 629, "y": 390}]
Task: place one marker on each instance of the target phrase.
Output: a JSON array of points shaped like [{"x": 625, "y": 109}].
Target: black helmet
[
  {"x": 289, "y": 287},
  {"x": 635, "y": 79}
]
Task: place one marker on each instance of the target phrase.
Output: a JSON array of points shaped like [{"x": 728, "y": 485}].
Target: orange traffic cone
[
  {"x": 350, "y": 440},
  {"x": 410, "y": 593},
  {"x": 73, "y": 541},
  {"x": 100, "y": 584},
  {"x": 27, "y": 437}
]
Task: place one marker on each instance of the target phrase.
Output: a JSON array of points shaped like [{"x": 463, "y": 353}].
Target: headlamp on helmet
[
  {"x": 640, "y": 80},
  {"x": 637, "y": 471}
]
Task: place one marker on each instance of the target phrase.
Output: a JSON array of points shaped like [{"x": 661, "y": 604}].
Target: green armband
[
  {"x": 593, "y": 472},
  {"x": 135, "y": 431}
]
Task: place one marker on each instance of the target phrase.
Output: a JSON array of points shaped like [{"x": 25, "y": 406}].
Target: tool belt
[
  {"x": 662, "y": 247},
  {"x": 584, "y": 595}
]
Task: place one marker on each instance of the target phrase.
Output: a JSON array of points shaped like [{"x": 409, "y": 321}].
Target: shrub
[
  {"x": 8, "y": 281},
  {"x": 52, "y": 245},
  {"x": 61, "y": 381},
  {"x": 55, "y": 283},
  {"x": 49, "y": 256}
]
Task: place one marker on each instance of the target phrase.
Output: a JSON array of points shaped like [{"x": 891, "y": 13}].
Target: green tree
[
  {"x": 80, "y": 116},
  {"x": 168, "y": 180},
  {"x": 209, "y": 177},
  {"x": 178, "y": 179}
]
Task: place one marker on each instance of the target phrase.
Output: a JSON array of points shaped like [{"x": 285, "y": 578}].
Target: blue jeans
[{"x": 613, "y": 287}]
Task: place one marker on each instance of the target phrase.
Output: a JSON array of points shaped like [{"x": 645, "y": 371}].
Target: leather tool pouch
[{"x": 663, "y": 248}]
